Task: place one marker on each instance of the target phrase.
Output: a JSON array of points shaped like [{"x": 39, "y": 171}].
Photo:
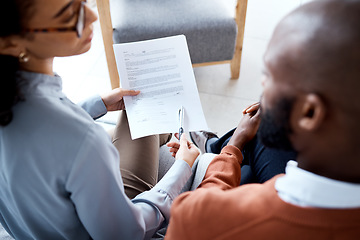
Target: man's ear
[
  {"x": 312, "y": 112},
  {"x": 9, "y": 46}
]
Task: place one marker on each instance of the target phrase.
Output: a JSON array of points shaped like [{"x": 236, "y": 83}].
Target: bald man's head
[
  {"x": 316, "y": 48},
  {"x": 319, "y": 44},
  {"x": 313, "y": 64}
]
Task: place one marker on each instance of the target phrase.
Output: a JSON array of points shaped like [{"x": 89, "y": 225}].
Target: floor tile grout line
[{"x": 220, "y": 95}]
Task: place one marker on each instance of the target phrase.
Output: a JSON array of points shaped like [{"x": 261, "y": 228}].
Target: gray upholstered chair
[{"x": 213, "y": 34}]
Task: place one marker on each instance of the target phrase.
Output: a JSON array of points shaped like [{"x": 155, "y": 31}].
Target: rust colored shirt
[{"x": 219, "y": 209}]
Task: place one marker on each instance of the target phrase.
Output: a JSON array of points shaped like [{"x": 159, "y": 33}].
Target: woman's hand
[
  {"x": 248, "y": 126},
  {"x": 184, "y": 150},
  {"x": 113, "y": 100}
]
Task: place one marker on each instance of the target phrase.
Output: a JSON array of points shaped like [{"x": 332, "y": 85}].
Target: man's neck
[{"x": 344, "y": 168}]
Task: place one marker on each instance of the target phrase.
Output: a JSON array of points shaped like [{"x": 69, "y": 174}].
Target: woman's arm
[{"x": 97, "y": 106}]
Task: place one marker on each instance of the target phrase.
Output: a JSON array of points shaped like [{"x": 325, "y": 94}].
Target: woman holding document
[{"x": 59, "y": 174}]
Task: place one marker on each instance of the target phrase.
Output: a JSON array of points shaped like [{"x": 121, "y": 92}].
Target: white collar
[{"x": 306, "y": 189}]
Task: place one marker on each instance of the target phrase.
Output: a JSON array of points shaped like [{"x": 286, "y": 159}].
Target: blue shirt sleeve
[
  {"x": 94, "y": 106},
  {"x": 157, "y": 202},
  {"x": 108, "y": 213}
]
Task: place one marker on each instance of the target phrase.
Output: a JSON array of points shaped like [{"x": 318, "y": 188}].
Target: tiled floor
[{"x": 222, "y": 99}]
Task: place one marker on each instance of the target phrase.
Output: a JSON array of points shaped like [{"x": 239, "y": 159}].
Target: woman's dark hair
[{"x": 13, "y": 13}]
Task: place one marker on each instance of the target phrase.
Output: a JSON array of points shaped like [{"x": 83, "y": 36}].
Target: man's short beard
[{"x": 274, "y": 129}]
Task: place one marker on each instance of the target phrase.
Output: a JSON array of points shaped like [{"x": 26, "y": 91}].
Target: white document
[{"x": 161, "y": 69}]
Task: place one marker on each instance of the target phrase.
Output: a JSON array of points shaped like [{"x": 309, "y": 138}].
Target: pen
[{"x": 181, "y": 121}]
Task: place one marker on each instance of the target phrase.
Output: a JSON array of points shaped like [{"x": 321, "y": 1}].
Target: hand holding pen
[{"x": 183, "y": 149}]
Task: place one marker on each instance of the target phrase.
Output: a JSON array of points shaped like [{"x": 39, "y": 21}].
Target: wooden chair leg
[
  {"x": 240, "y": 17},
  {"x": 107, "y": 33}
]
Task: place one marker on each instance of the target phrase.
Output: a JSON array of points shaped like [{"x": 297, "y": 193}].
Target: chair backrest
[
  {"x": 235, "y": 38},
  {"x": 107, "y": 34}
]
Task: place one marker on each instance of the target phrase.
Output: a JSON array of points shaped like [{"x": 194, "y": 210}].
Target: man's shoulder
[
  {"x": 239, "y": 197},
  {"x": 222, "y": 210},
  {"x": 247, "y": 199}
]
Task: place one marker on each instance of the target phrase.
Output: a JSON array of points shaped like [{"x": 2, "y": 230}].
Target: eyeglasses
[{"x": 78, "y": 28}]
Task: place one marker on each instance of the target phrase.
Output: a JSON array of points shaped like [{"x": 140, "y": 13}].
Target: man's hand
[
  {"x": 248, "y": 126},
  {"x": 184, "y": 150},
  {"x": 252, "y": 108},
  {"x": 113, "y": 100}
]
